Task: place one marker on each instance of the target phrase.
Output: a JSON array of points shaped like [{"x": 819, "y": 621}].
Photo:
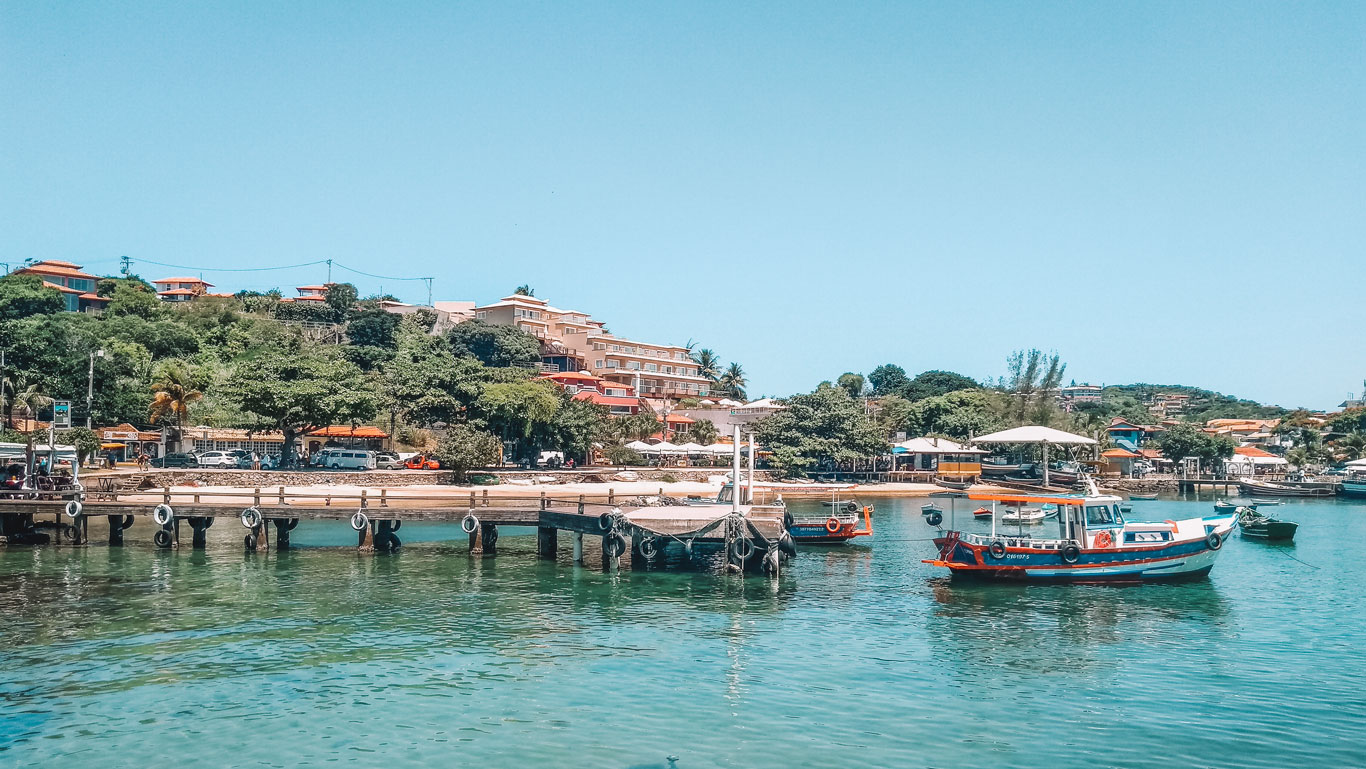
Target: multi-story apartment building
[
  {"x": 574, "y": 341},
  {"x": 76, "y": 287}
]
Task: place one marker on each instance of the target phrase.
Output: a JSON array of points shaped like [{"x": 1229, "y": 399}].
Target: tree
[
  {"x": 732, "y": 381},
  {"x": 1352, "y": 445},
  {"x": 826, "y": 425},
  {"x": 494, "y": 345},
  {"x": 372, "y": 328},
  {"x": 1032, "y": 379},
  {"x": 888, "y": 379},
  {"x": 31, "y": 400},
  {"x": 22, "y": 296},
  {"x": 133, "y": 297},
  {"x": 577, "y": 426},
  {"x": 851, "y": 383},
  {"x": 465, "y": 447},
  {"x": 960, "y": 415},
  {"x": 622, "y": 456},
  {"x": 928, "y": 384},
  {"x": 524, "y": 290},
  {"x": 708, "y": 365},
  {"x": 1184, "y": 440},
  {"x": 424, "y": 384},
  {"x": 174, "y": 388},
  {"x": 636, "y": 427},
  {"x": 87, "y": 442},
  {"x": 519, "y": 409},
  {"x": 341, "y": 297},
  {"x": 294, "y": 391},
  {"x": 703, "y": 431}
]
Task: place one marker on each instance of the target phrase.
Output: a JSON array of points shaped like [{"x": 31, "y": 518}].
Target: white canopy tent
[
  {"x": 640, "y": 446},
  {"x": 18, "y": 451},
  {"x": 1043, "y": 436},
  {"x": 1356, "y": 464},
  {"x": 663, "y": 447},
  {"x": 693, "y": 448},
  {"x": 1241, "y": 465}
]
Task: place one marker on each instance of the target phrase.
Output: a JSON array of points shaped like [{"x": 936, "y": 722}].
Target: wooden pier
[{"x": 757, "y": 541}]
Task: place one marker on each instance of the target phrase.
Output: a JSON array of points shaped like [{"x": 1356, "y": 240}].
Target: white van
[{"x": 348, "y": 459}]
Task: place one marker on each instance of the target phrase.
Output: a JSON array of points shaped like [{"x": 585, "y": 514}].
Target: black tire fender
[{"x": 997, "y": 549}]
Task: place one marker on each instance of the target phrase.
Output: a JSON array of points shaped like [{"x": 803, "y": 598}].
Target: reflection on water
[{"x": 857, "y": 656}]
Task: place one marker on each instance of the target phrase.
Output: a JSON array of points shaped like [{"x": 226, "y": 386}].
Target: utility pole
[
  {"x": 125, "y": 265},
  {"x": 429, "y": 291},
  {"x": 90, "y": 386},
  {"x": 329, "y": 272}
]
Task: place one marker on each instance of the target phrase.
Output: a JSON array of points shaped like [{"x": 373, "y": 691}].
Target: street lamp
[{"x": 90, "y": 385}]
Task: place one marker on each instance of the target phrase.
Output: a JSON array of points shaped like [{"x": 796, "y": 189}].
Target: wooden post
[
  {"x": 606, "y": 552},
  {"x": 486, "y": 497},
  {"x": 384, "y": 497},
  {"x": 282, "y": 527},
  {"x": 262, "y": 537},
  {"x": 490, "y": 535},
  {"x": 384, "y": 537},
  {"x": 543, "y": 505},
  {"x": 367, "y": 538},
  {"x": 200, "y": 529},
  {"x": 547, "y": 542},
  {"x": 281, "y": 498},
  {"x": 256, "y": 497},
  {"x": 166, "y": 495},
  {"x": 476, "y": 537},
  {"x": 471, "y": 501},
  {"x": 611, "y": 496},
  {"x": 115, "y": 530}
]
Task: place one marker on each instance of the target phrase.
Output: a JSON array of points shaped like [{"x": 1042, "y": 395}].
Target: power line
[
  {"x": 370, "y": 275},
  {"x": 232, "y": 269}
]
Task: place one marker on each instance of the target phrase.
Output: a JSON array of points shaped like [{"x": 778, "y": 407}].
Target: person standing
[{"x": 255, "y": 461}]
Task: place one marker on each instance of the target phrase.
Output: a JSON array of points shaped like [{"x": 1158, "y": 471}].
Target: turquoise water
[{"x": 859, "y": 656}]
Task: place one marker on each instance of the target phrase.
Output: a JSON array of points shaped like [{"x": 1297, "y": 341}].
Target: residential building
[
  {"x": 620, "y": 400},
  {"x": 573, "y": 341},
  {"x": 181, "y": 289},
  {"x": 728, "y": 417},
  {"x": 77, "y": 288},
  {"x": 1247, "y": 431},
  {"x": 310, "y": 293},
  {"x": 1130, "y": 436},
  {"x": 1079, "y": 393}
]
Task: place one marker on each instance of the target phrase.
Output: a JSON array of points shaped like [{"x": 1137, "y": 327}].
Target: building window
[
  {"x": 597, "y": 364},
  {"x": 633, "y": 365},
  {"x": 481, "y": 315},
  {"x": 651, "y": 367}
]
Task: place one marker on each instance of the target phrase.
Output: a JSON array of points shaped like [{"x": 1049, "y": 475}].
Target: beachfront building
[
  {"x": 727, "y": 414},
  {"x": 1130, "y": 436},
  {"x": 573, "y": 341},
  {"x": 1259, "y": 432},
  {"x": 346, "y": 436},
  {"x": 125, "y": 442},
  {"x": 941, "y": 456},
  {"x": 77, "y": 288},
  {"x": 181, "y": 289},
  {"x": 200, "y": 439}
]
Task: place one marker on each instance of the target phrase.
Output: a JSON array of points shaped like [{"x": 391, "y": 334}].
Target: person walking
[{"x": 255, "y": 461}]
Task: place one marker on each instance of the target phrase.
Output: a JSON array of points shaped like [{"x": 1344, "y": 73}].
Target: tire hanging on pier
[
  {"x": 742, "y": 549},
  {"x": 251, "y": 517},
  {"x": 73, "y": 509},
  {"x": 469, "y": 524},
  {"x": 162, "y": 539},
  {"x": 786, "y": 544},
  {"x": 649, "y": 548},
  {"x": 616, "y": 544},
  {"x": 163, "y": 514},
  {"x": 934, "y": 519},
  {"x": 360, "y": 521}
]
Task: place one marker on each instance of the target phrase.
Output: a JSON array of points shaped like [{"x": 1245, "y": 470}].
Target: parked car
[
  {"x": 217, "y": 459},
  {"x": 351, "y": 459},
  {"x": 422, "y": 462},
  {"x": 387, "y": 460},
  {"x": 176, "y": 460}
]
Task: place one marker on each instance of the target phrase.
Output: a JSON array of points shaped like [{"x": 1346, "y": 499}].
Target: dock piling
[
  {"x": 547, "y": 542},
  {"x": 578, "y": 548}
]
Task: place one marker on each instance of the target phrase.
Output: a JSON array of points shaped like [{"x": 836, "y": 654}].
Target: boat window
[
  {"x": 1119, "y": 516},
  {"x": 1096, "y": 514}
]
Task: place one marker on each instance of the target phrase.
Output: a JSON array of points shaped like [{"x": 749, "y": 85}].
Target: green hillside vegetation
[{"x": 1203, "y": 406}]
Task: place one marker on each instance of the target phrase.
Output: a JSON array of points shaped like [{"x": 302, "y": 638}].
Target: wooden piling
[
  {"x": 199, "y": 528},
  {"x": 281, "y": 498},
  {"x": 476, "y": 537},
  {"x": 547, "y": 542},
  {"x": 115, "y": 530},
  {"x": 367, "y": 538}
]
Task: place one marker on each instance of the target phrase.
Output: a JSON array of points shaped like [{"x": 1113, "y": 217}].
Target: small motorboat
[
  {"x": 1259, "y": 526},
  {"x": 931, "y": 508},
  {"x": 950, "y": 484},
  {"x": 1027, "y": 516},
  {"x": 1224, "y": 506},
  {"x": 1142, "y": 497},
  {"x": 1258, "y": 502},
  {"x": 982, "y": 512},
  {"x": 1266, "y": 488}
]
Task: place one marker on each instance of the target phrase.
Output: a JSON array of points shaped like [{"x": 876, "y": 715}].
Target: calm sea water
[{"x": 858, "y": 656}]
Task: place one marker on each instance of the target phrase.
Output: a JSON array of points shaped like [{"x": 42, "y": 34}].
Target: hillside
[{"x": 1203, "y": 405}]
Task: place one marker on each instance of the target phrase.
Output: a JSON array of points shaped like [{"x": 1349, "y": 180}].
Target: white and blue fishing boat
[{"x": 1094, "y": 543}]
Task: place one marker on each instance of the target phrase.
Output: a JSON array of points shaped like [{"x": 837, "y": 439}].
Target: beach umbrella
[
  {"x": 640, "y": 446},
  {"x": 1037, "y": 434},
  {"x": 693, "y": 448}
]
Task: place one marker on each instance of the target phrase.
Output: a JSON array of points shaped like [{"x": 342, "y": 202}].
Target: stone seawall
[{"x": 376, "y": 478}]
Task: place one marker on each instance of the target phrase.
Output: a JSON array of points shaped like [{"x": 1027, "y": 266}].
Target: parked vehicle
[
  {"x": 217, "y": 459},
  {"x": 176, "y": 460},
  {"x": 350, "y": 459},
  {"x": 422, "y": 462},
  {"x": 387, "y": 460}
]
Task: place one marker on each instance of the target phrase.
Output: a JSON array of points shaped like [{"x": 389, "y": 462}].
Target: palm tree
[
  {"x": 31, "y": 400},
  {"x": 172, "y": 393},
  {"x": 708, "y": 365},
  {"x": 733, "y": 381}
]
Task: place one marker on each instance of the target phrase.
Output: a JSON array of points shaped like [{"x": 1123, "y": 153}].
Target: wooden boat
[
  {"x": 1261, "y": 526},
  {"x": 982, "y": 512},
  {"x": 1094, "y": 544},
  {"x": 1224, "y": 506},
  {"x": 1256, "y": 502},
  {"x": 838, "y": 526},
  {"x": 1266, "y": 488},
  {"x": 956, "y": 485},
  {"x": 1142, "y": 497},
  {"x": 1027, "y": 516},
  {"x": 999, "y": 469},
  {"x": 931, "y": 508}
]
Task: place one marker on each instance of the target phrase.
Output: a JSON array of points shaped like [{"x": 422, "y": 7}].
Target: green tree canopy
[
  {"x": 960, "y": 415},
  {"x": 494, "y": 345},
  {"x": 294, "y": 391},
  {"x": 929, "y": 384},
  {"x": 1185, "y": 440},
  {"x": 465, "y": 447},
  {"x": 128, "y": 296},
  {"x": 888, "y": 379},
  {"x": 22, "y": 296},
  {"x": 851, "y": 383},
  {"x": 824, "y": 425}
]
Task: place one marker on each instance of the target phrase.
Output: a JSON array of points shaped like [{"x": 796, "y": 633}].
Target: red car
[{"x": 422, "y": 462}]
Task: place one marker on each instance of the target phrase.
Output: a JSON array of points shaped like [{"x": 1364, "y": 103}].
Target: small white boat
[{"x": 1024, "y": 515}]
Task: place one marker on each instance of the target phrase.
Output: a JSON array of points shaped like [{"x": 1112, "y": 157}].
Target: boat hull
[
  {"x": 1354, "y": 488},
  {"x": 1270, "y": 530},
  {"x": 1191, "y": 559},
  {"x": 1271, "y": 490}
]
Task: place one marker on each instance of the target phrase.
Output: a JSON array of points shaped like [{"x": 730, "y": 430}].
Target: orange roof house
[{"x": 77, "y": 288}]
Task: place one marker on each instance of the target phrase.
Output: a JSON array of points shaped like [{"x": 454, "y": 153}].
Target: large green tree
[
  {"x": 851, "y": 383},
  {"x": 22, "y": 296},
  {"x": 929, "y": 384},
  {"x": 494, "y": 345},
  {"x": 465, "y": 447},
  {"x": 888, "y": 379},
  {"x": 960, "y": 414},
  {"x": 1185, "y": 440},
  {"x": 295, "y": 391},
  {"x": 826, "y": 425}
]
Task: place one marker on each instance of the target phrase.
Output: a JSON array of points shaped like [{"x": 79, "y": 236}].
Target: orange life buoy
[
  {"x": 832, "y": 525},
  {"x": 1103, "y": 539}
]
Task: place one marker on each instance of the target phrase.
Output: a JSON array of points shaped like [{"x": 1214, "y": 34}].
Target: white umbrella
[
  {"x": 1036, "y": 434},
  {"x": 693, "y": 448},
  {"x": 720, "y": 448},
  {"x": 641, "y": 446},
  {"x": 664, "y": 447}
]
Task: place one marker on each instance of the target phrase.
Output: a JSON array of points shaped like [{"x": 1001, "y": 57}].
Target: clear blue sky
[{"x": 1161, "y": 192}]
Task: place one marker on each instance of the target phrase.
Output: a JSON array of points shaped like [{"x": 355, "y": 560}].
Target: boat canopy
[
  {"x": 12, "y": 451},
  {"x": 1020, "y": 499}
]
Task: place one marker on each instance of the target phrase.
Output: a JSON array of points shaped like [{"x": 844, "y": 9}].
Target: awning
[
  {"x": 1034, "y": 434},
  {"x": 107, "y": 446}
]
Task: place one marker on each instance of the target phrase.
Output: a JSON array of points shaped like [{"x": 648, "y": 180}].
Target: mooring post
[
  {"x": 578, "y": 548},
  {"x": 611, "y": 496},
  {"x": 490, "y": 534},
  {"x": 384, "y": 536},
  {"x": 476, "y": 537},
  {"x": 199, "y": 528},
  {"x": 280, "y": 499},
  {"x": 384, "y": 497},
  {"x": 471, "y": 502},
  {"x": 115, "y": 530},
  {"x": 282, "y": 529},
  {"x": 547, "y": 542},
  {"x": 367, "y": 538},
  {"x": 486, "y": 497},
  {"x": 607, "y": 552}
]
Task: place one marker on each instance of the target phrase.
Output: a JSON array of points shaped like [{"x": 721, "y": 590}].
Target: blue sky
[{"x": 1161, "y": 192}]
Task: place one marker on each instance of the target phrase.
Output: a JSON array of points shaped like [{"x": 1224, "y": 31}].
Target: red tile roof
[
  {"x": 197, "y": 281},
  {"x": 678, "y": 419},
  {"x": 1252, "y": 451},
  {"x": 1119, "y": 454},
  {"x": 606, "y": 400},
  {"x": 346, "y": 431},
  {"x": 54, "y": 267}
]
